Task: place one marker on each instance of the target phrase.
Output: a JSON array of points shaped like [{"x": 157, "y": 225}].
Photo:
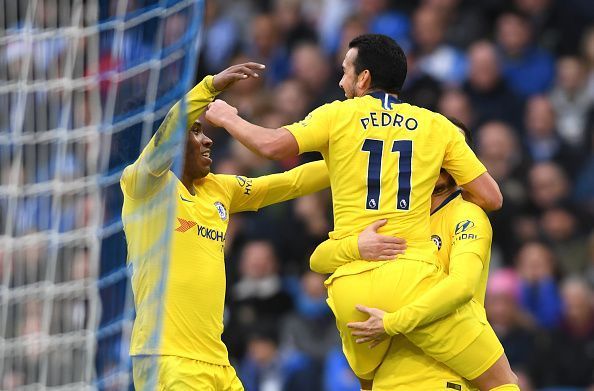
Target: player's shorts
[
  {"x": 393, "y": 285},
  {"x": 160, "y": 373},
  {"x": 406, "y": 367}
]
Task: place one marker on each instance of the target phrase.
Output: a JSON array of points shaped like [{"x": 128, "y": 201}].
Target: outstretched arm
[
  {"x": 147, "y": 173},
  {"x": 250, "y": 194},
  {"x": 368, "y": 245},
  {"x": 273, "y": 144}
]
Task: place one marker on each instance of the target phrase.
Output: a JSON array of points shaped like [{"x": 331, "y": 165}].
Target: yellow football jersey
[
  {"x": 384, "y": 158},
  {"x": 176, "y": 252},
  {"x": 458, "y": 227}
]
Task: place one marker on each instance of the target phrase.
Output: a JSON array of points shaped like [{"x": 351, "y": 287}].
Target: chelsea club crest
[
  {"x": 437, "y": 240},
  {"x": 221, "y": 209}
]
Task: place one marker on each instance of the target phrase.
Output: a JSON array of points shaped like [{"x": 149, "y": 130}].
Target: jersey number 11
[{"x": 374, "y": 170}]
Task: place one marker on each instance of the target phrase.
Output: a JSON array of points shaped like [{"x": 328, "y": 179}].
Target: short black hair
[{"x": 383, "y": 58}]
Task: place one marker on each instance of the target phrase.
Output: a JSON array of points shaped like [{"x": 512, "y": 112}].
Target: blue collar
[
  {"x": 386, "y": 99},
  {"x": 447, "y": 200}
]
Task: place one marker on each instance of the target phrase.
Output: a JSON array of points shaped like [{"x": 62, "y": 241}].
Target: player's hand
[
  {"x": 376, "y": 247},
  {"x": 226, "y": 78},
  {"x": 219, "y": 111},
  {"x": 372, "y": 330}
]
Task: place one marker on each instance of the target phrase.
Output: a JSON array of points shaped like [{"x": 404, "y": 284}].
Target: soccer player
[
  {"x": 175, "y": 230},
  {"x": 462, "y": 234},
  {"x": 384, "y": 157}
]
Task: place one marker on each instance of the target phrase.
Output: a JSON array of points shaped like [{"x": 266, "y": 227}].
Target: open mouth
[{"x": 206, "y": 155}]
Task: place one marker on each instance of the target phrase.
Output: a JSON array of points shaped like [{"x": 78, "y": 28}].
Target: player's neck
[
  {"x": 439, "y": 196},
  {"x": 370, "y": 91},
  {"x": 188, "y": 183}
]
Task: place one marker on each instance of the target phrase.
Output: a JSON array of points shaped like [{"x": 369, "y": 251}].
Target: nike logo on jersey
[
  {"x": 183, "y": 199},
  {"x": 184, "y": 225}
]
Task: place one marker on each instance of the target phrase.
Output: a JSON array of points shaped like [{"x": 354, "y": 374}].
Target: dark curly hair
[{"x": 383, "y": 58}]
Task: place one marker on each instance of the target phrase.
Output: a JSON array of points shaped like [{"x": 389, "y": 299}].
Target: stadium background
[{"x": 520, "y": 73}]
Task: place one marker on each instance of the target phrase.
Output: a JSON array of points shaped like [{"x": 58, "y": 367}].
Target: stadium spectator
[
  {"x": 258, "y": 297},
  {"x": 499, "y": 150},
  {"x": 562, "y": 230},
  {"x": 265, "y": 46},
  {"x": 566, "y": 358},
  {"x": 456, "y": 104},
  {"x": 513, "y": 327},
  {"x": 590, "y": 268},
  {"x": 465, "y": 21},
  {"x": 527, "y": 68},
  {"x": 289, "y": 18},
  {"x": 541, "y": 139},
  {"x": 549, "y": 186},
  {"x": 572, "y": 101},
  {"x": 491, "y": 98},
  {"x": 310, "y": 329},
  {"x": 265, "y": 367},
  {"x": 420, "y": 88},
  {"x": 337, "y": 373},
  {"x": 221, "y": 39},
  {"x": 435, "y": 57},
  {"x": 310, "y": 67},
  {"x": 539, "y": 295},
  {"x": 587, "y": 52}
]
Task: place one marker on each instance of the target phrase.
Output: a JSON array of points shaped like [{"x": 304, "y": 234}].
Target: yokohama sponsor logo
[{"x": 205, "y": 232}]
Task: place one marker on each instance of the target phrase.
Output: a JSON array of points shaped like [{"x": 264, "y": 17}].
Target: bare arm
[
  {"x": 484, "y": 192},
  {"x": 273, "y": 144}
]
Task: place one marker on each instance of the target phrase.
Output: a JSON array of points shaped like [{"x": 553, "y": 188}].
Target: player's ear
[{"x": 364, "y": 80}]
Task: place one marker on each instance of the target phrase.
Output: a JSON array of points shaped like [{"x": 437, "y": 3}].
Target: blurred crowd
[{"x": 519, "y": 73}]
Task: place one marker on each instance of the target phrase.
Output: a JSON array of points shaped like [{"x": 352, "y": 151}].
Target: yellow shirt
[
  {"x": 384, "y": 158},
  {"x": 463, "y": 227},
  {"x": 175, "y": 240},
  {"x": 462, "y": 233},
  {"x": 177, "y": 255},
  {"x": 459, "y": 229}
]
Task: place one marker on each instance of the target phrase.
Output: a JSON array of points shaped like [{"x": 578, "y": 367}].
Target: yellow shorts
[
  {"x": 394, "y": 285},
  {"x": 406, "y": 367},
  {"x": 160, "y": 373}
]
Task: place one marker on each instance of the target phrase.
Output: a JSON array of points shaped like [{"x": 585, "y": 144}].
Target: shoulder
[
  {"x": 465, "y": 212},
  {"x": 216, "y": 182}
]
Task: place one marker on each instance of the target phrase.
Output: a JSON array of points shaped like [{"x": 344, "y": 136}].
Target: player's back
[{"x": 384, "y": 158}]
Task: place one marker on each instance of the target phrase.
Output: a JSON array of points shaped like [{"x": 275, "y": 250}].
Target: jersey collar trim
[
  {"x": 386, "y": 99},
  {"x": 447, "y": 201}
]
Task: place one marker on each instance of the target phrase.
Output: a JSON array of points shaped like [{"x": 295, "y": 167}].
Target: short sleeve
[
  {"x": 459, "y": 160},
  {"x": 471, "y": 233},
  {"x": 313, "y": 132}
]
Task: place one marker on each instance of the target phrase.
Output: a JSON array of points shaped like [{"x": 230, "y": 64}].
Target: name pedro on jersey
[{"x": 385, "y": 119}]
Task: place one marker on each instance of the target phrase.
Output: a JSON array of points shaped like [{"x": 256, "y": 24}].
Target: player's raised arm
[
  {"x": 144, "y": 176},
  {"x": 368, "y": 245},
  {"x": 310, "y": 134},
  {"x": 273, "y": 144}
]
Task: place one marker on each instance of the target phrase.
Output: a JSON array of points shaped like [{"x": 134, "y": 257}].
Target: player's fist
[
  {"x": 226, "y": 78},
  {"x": 376, "y": 247},
  {"x": 218, "y": 112}
]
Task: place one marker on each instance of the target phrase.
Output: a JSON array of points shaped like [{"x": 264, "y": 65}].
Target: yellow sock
[{"x": 506, "y": 387}]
